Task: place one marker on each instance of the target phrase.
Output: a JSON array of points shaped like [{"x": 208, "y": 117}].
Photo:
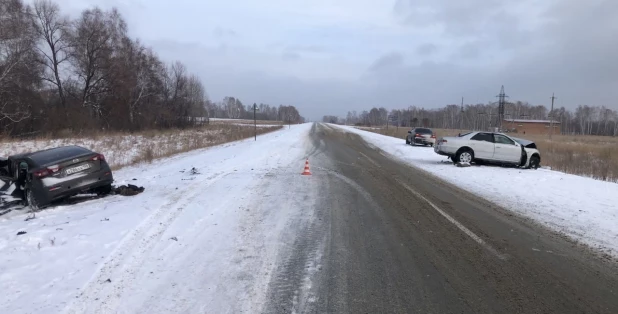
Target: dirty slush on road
[{"x": 392, "y": 239}]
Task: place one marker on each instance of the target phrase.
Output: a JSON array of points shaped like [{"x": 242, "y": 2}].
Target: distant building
[{"x": 530, "y": 126}]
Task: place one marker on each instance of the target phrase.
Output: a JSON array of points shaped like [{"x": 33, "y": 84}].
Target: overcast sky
[{"x": 331, "y": 56}]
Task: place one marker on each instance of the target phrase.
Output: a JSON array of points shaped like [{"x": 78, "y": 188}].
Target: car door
[
  {"x": 506, "y": 149},
  {"x": 483, "y": 145}
]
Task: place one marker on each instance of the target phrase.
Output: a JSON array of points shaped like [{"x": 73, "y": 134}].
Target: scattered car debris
[
  {"x": 462, "y": 164},
  {"x": 108, "y": 280},
  {"x": 194, "y": 171},
  {"x": 21, "y": 232},
  {"x": 128, "y": 190},
  {"x": 174, "y": 238},
  {"x": 105, "y": 219},
  {"x": 31, "y": 216}
]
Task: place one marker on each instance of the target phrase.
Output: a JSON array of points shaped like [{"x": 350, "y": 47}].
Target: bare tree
[
  {"x": 90, "y": 53},
  {"x": 52, "y": 28},
  {"x": 17, "y": 42}
]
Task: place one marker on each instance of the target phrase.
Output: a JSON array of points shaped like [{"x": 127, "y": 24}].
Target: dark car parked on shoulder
[{"x": 57, "y": 173}]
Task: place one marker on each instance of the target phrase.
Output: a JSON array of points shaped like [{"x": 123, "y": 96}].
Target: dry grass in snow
[
  {"x": 127, "y": 149},
  {"x": 589, "y": 156}
]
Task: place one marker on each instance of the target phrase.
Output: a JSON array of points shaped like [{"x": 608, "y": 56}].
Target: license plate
[{"x": 78, "y": 169}]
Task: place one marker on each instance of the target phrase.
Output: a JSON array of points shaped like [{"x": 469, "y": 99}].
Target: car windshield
[{"x": 423, "y": 131}]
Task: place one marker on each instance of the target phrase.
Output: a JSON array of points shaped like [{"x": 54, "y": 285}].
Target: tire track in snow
[
  {"x": 291, "y": 289},
  {"x": 121, "y": 266}
]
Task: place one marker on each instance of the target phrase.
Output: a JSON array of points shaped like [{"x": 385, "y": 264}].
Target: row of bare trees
[
  {"x": 233, "y": 108},
  {"x": 587, "y": 120},
  {"x": 83, "y": 74}
]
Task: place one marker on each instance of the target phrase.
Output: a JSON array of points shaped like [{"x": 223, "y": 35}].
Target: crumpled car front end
[{"x": 529, "y": 149}]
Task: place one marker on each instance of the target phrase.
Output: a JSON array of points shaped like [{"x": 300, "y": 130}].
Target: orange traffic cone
[{"x": 306, "y": 172}]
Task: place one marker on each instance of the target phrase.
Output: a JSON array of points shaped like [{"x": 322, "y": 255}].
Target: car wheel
[
  {"x": 464, "y": 156},
  {"x": 31, "y": 200},
  {"x": 407, "y": 142},
  {"x": 535, "y": 162},
  {"x": 104, "y": 190}
]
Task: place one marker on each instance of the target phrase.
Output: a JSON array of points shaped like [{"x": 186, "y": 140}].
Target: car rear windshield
[
  {"x": 45, "y": 157},
  {"x": 423, "y": 131}
]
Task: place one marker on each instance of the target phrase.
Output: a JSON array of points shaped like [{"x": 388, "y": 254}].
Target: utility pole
[
  {"x": 461, "y": 117},
  {"x": 254, "y": 121},
  {"x": 551, "y": 116}
]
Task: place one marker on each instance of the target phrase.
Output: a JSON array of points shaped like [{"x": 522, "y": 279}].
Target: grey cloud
[
  {"x": 306, "y": 48},
  {"x": 224, "y": 33},
  {"x": 469, "y": 50},
  {"x": 290, "y": 55},
  {"x": 460, "y": 18},
  {"x": 426, "y": 49},
  {"x": 391, "y": 61}
]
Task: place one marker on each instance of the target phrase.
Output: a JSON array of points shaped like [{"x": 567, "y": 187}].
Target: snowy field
[
  {"x": 581, "y": 208},
  {"x": 212, "y": 237},
  {"x": 126, "y": 149}
]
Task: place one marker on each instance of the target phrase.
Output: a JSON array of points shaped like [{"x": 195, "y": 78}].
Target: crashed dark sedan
[{"x": 57, "y": 173}]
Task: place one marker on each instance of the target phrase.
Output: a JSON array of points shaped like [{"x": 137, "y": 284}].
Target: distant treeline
[
  {"x": 233, "y": 108},
  {"x": 588, "y": 120}
]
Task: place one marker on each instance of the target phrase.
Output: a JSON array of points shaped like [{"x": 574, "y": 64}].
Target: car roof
[{"x": 47, "y": 156}]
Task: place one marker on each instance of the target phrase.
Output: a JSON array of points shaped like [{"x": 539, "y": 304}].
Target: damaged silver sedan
[{"x": 49, "y": 175}]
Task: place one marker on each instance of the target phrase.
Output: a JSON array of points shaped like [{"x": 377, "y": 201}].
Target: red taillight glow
[
  {"x": 41, "y": 173},
  {"x": 433, "y": 136},
  {"x": 98, "y": 157},
  {"x": 50, "y": 170},
  {"x": 418, "y": 135}
]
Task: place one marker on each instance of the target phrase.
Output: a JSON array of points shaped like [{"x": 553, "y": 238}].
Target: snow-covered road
[{"x": 189, "y": 241}]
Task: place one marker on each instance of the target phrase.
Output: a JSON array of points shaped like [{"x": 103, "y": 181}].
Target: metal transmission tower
[{"x": 501, "y": 104}]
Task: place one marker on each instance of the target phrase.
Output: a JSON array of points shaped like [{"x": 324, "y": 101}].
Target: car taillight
[
  {"x": 433, "y": 136},
  {"x": 418, "y": 135},
  {"x": 41, "y": 173},
  {"x": 98, "y": 157},
  {"x": 54, "y": 168}
]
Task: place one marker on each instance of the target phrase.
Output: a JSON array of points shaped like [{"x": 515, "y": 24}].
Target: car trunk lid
[{"x": 75, "y": 166}]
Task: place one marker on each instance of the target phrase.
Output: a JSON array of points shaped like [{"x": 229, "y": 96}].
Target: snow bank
[{"x": 582, "y": 208}]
